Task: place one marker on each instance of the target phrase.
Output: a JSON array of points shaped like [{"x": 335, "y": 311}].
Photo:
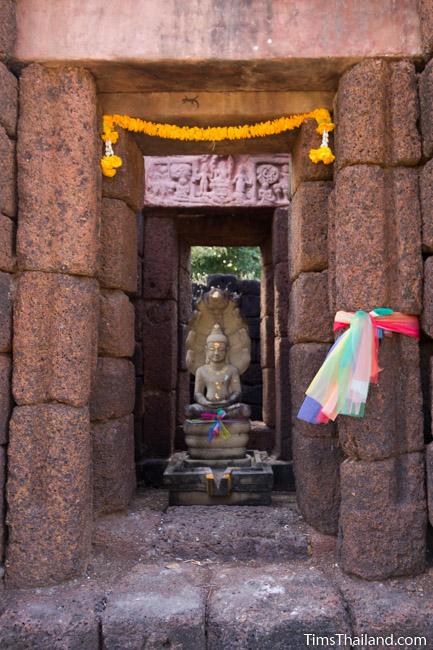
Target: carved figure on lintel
[{"x": 267, "y": 175}]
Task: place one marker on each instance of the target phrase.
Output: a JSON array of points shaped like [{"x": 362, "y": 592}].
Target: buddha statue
[
  {"x": 217, "y": 383},
  {"x": 218, "y": 352}
]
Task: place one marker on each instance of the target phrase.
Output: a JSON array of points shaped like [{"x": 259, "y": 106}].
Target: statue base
[
  {"x": 243, "y": 481},
  {"x": 219, "y": 448}
]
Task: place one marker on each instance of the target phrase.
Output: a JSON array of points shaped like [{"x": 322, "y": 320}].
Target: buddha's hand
[
  {"x": 234, "y": 398},
  {"x": 201, "y": 399}
]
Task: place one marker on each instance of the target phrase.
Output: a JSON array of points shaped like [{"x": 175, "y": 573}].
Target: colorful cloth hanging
[
  {"x": 217, "y": 427},
  {"x": 342, "y": 383}
]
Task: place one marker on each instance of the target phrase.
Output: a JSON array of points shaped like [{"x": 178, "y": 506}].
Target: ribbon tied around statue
[
  {"x": 342, "y": 383},
  {"x": 217, "y": 427}
]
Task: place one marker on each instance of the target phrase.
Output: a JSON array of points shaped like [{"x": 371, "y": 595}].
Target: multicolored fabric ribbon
[
  {"x": 217, "y": 427},
  {"x": 342, "y": 383}
]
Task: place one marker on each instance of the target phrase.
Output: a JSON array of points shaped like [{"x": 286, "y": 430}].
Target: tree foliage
[{"x": 243, "y": 261}]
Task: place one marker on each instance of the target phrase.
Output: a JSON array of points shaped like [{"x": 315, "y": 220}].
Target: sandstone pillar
[
  {"x": 49, "y": 457},
  {"x": 316, "y": 451},
  {"x": 377, "y": 262},
  {"x": 115, "y": 381},
  {"x": 8, "y": 123}
]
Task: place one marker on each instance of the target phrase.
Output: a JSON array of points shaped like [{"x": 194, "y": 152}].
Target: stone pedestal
[{"x": 199, "y": 445}]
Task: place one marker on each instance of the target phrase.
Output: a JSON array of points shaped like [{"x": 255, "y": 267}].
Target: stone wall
[
  {"x": 113, "y": 389},
  {"x": 8, "y": 219}
]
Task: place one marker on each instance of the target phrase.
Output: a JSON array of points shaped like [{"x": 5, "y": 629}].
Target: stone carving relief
[{"x": 217, "y": 180}]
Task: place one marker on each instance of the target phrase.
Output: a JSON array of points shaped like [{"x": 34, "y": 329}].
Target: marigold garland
[{"x": 110, "y": 162}]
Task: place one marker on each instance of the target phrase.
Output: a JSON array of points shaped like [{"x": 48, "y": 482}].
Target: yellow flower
[
  {"x": 325, "y": 126},
  {"x": 322, "y": 154}
]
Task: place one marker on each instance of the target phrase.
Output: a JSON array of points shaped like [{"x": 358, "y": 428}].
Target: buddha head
[{"x": 216, "y": 345}]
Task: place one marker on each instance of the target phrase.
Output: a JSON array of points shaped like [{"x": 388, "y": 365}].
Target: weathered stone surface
[
  {"x": 390, "y": 609},
  {"x": 268, "y": 404},
  {"x": 429, "y": 472},
  {"x": 331, "y": 253},
  {"x": 308, "y": 245},
  {"x": 426, "y": 200},
  {"x": 280, "y": 241},
  {"x": 2, "y": 500},
  {"x": 160, "y": 344},
  {"x": 305, "y": 361},
  {"x": 393, "y": 420},
  {"x": 183, "y": 396},
  {"x": 281, "y": 298},
  {"x": 159, "y": 422},
  {"x": 427, "y": 313},
  {"x": 7, "y": 257},
  {"x": 116, "y": 325},
  {"x": 55, "y": 328},
  {"x": 302, "y": 168},
  {"x": 316, "y": 463},
  {"x": 5, "y": 396},
  {"x": 185, "y": 295},
  {"x": 377, "y": 112},
  {"x": 113, "y": 389},
  {"x": 6, "y": 286},
  {"x": 425, "y": 11},
  {"x": 7, "y": 175},
  {"x": 378, "y": 218},
  {"x": 128, "y": 183},
  {"x": 383, "y": 517},
  {"x": 282, "y": 399},
  {"x": 277, "y": 606},
  {"x": 8, "y": 100},
  {"x": 113, "y": 464},
  {"x": 156, "y": 607},
  {"x": 58, "y": 225},
  {"x": 137, "y": 359},
  {"x": 426, "y": 117},
  {"x": 267, "y": 291},
  {"x": 118, "y": 246},
  {"x": 51, "y": 618},
  {"x": 7, "y": 28},
  {"x": 160, "y": 258},
  {"x": 49, "y": 494},
  {"x": 309, "y": 315}
]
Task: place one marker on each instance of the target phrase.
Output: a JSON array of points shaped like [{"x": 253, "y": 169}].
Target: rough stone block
[
  {"x": 377, "y": 113},
  {"x": 8, "y": 100},
  {"x": 183, "y": 395},
  {"x": 159, "y": 423},
  {"x": 116, "y": 325},
  {"x": 267, "y": 334},
  {"x": 267, "y": 291},
  {"x": 139, "y": 219},
  {"x": 383, "y": 517},
  {"x": 305, "y": 361},
  {"x": 160, "y": 259},
  {"x": 7, "y": 175},
  {"x": 160, "y": 344},
  {"x": 113, "y": 464},
  {"x": 157, "y": 607},
  {"x": 276, "y": 605},
  {"x": 7, "y": 238},
  {"x": 427, "y": 314},
  {"x": 378, "y": 239},
  {"x": 429, "y": 472},
  {"x": 2, "y": 500},
  {"x": 426, "y": 200},
  {"x": 8, "y": 28},
  {"x": 55, "y": 332},
  {"x": 393, "y": 420},
  {"x": 280, "y": 236},
  {"x": 308, "y": 245},
  {"x": 282, "y": 398},
  {"x": 268, "y": 405},
  {"x": 331, "y": 254},
  {"x": 425, "y": 11},
  {"x": 281, "y": 298},
  {"x": 302, "y": 167},
  {"x": 182, "y": 334},
  {"x": 128, "y": 183},
  {"x": 49, "y": 494},
  {"x": 426, "y": 100},
  {"x": 5, "y": 396},
  {"x": 309, "y": 315},
  {"x": 113, "y": 389},
  {"x": 6, "y": 288},
  {"x": 118, "y": 247},
  {"x": 59, "y": 213},
  {"x": 137, "y": 359},
  {"x": 185, "y": 295},
  {"x": 138, "y": 321},
  {"x": 316, "y": 463}
]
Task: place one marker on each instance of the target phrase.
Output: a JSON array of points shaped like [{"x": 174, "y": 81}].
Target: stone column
[
  {"x": 378, "y": 263},
  {"x": 114, "y": 383},
  {"x": 267, "y": 352},
  {"x": 184, "y": 315},
  {"x": 316, "y": 452},
  {"x": 8, "y": 124},
  {"x": 55, "y": 313},
  {"x": 160, "y": 334}
]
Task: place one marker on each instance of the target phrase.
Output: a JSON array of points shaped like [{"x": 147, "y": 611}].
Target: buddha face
[{"x": 216, "y": 351}]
